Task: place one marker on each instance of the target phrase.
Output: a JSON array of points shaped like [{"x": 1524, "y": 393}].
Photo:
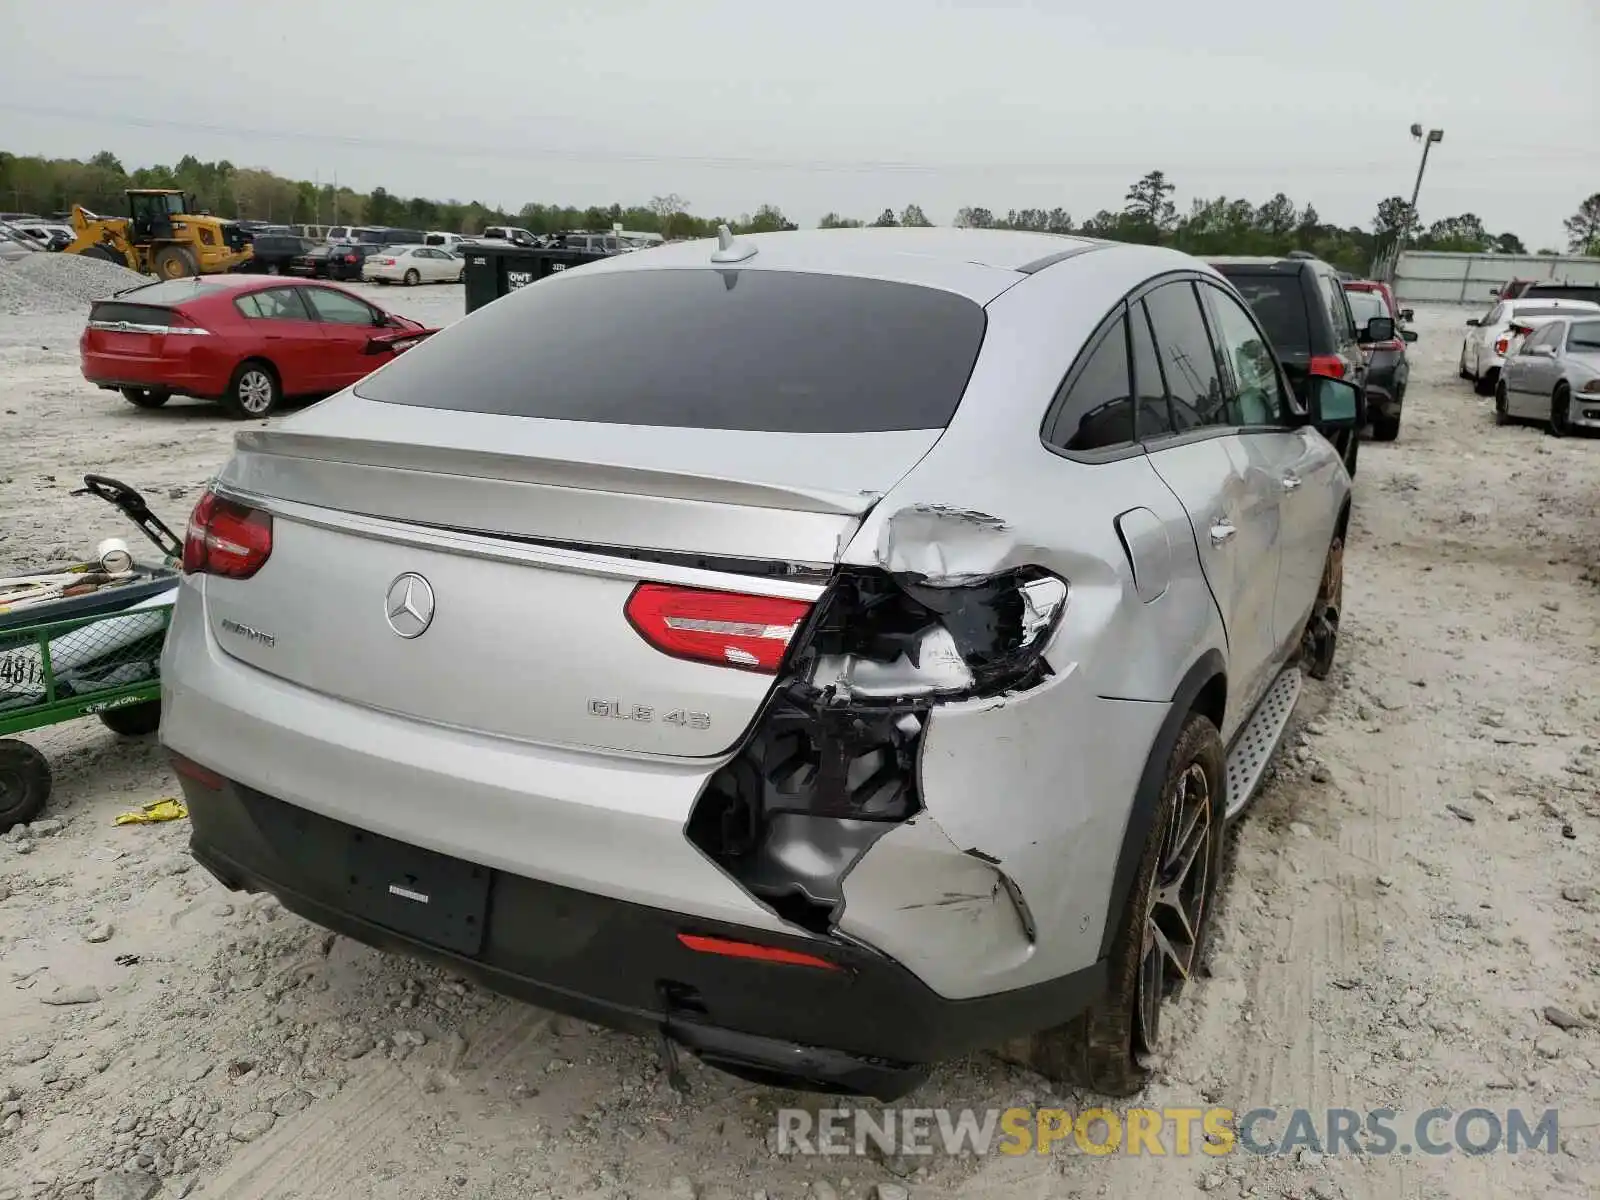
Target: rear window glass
[
  {"x": 1279, "y": 306},
  {"x": 170, "y": 291},
  {"x": 1563, "y": 291},
  {"x": 1537, "y": 310},
  {"x": 1366, "y": 305},
  {"x": 776, "y": 351}
]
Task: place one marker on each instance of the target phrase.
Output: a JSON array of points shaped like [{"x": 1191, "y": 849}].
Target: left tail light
[
  {"x": 186, "y": 324},
  {"x": 1329, "y": 365},
  {"x": 1501, "y": 345},
  {"x": 729, "y": 629},
  {"x": 226, "y": 538}
]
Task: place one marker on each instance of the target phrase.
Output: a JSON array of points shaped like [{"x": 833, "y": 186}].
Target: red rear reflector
[
  {"x": 1329, "y": 365},
  {"x": 194, "y": 772},
  {"x": 771, "y": 954},
  {"x": 729, "y": 629},
  {"x": 226, "y": 538}
]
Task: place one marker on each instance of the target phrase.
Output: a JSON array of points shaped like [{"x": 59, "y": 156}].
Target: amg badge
[{"x": 268, "y": 640}]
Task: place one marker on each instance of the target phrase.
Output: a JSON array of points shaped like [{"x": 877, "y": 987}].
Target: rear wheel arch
[
  {"x": 1340, "y": 527},
  {"x": 229, "y": 397},
  {"x": 1204, "y": 689}
]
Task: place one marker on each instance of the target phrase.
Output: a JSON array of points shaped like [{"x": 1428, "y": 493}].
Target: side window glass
[
  {"x": 338, "y": 309},
  {"x": 278, "y": 304},
  {"x": 1188, "y": 362},
  {"x": 1152, "y": 417},
  {"x": 1344, "y": 325},
  {"x": 1255, "y": 398},
  {"x": 1096, "y": 412},
  {"x": 1494, "y": 315}
]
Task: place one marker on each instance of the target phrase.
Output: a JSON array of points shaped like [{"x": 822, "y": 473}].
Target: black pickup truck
[{"x": 275, "y": 250}]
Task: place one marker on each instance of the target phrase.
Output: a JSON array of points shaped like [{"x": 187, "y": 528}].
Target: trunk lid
[{"x": 528, "y": 537}]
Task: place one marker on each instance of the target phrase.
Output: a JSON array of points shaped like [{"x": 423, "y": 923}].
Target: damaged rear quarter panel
[
  {"x": 1033, "y": 788},
  {"x": 1040, "y": 781}
]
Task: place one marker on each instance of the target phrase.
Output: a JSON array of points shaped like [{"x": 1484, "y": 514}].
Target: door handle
[
  {"x": 1221, "y": 530},
  {"x": 1290, "y": 482}
]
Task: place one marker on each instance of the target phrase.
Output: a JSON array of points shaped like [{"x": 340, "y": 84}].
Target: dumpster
[{"x": 496, "y": 267}]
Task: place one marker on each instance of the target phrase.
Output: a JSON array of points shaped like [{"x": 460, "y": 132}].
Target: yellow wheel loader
[{"x": 160, "y": 236}]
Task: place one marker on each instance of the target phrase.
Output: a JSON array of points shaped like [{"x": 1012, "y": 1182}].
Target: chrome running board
[{"x": 1258, "y": 741}]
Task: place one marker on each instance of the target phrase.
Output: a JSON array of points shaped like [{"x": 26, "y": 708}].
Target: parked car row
[
  {"x": 1323, "y": 325},
  {"x": 1544, "y": 361}
]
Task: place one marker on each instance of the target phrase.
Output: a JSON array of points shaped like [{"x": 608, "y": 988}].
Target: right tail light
[{"x": 226, "y": 537}]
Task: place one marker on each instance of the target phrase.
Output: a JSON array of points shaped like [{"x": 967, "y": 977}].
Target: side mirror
[
  {"x": 1408, "y": 335},
  {"x": 1408, "y": 314},
  {"x": 1473, "y": 321},
  {"x": 1378, "y": 329},
  {"x": 1335, "y": 403}
]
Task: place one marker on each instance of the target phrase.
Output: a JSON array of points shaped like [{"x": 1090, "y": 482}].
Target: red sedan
[{"x": 248, "y": 341}]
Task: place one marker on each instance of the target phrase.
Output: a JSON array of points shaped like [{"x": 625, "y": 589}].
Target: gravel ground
[
  {"x": 51, "y": 284},
  {"x": 1411, "y": 917}
]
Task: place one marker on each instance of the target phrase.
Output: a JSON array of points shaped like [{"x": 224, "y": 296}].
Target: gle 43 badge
[{"x": 617, "y": 710}]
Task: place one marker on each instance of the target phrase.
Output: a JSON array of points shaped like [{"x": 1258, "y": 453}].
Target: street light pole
[{"x": 1433, "y": 135}]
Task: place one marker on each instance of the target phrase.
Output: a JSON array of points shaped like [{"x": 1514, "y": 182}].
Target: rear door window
[
  {"x": 1344, "y": 328},
  {"x": 1254, "y": 395},
  {"x": 1195, "y": 395},
  {"x": 776, "y": 351},
  {"x": 274, "y": 304},
  {"x": 1152, "y": 416}
]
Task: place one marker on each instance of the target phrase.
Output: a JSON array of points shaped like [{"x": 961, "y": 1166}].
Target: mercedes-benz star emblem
[{"x": 409, "y": 606}]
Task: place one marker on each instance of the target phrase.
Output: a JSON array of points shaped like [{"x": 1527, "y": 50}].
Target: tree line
[{"x": 1222, "y": 225}]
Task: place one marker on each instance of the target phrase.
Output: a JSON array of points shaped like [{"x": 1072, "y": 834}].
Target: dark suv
[{"x": 1301, "y": 304}]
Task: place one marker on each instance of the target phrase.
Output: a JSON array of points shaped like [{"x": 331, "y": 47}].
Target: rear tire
[
  {"x": 412, "y": 278},
  {"x": 1160, "y": 939},
  {"x": 1385, "y": 429},
  {"x": 174, "y": 262},
  {"x": 24, "y": 783},
  {"x": 145, "y": 397},
  {"x": 1502, "y": 411},
  {"x": 135, "y": 720},
  {"x": 1485, "y": 383},
  {"x": 1560, "y": 408},
  {"x": 1319, "y": 644},
  {"x": 253, "y": 392}
]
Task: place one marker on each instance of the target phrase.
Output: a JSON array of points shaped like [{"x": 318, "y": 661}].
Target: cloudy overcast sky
[{"x": 851, "y": 106}]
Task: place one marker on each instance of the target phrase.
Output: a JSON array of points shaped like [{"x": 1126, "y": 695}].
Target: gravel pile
[
  {"x": 60, "y": 283},
  {"x": 20, "y": 296}
]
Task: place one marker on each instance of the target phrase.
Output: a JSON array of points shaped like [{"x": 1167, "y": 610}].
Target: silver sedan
[{"x": 1554, "y": 377}]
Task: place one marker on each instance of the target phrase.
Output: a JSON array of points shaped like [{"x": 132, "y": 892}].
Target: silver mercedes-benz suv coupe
[{"x": 830, "y": 651}]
